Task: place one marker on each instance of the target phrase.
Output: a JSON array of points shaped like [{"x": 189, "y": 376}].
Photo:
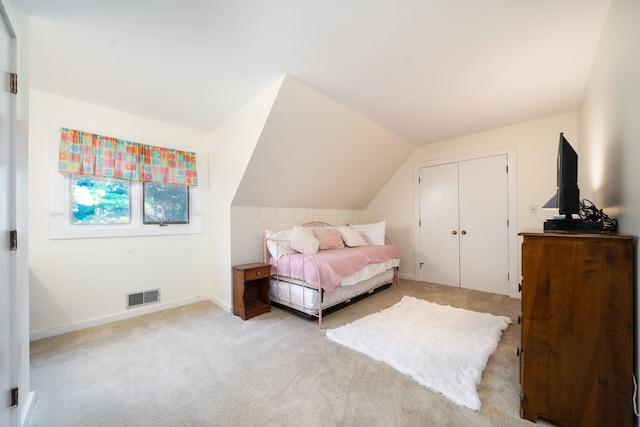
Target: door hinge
[
  {"x": 14, "y": 397},
  {"x": 507, "y": 168},
  {"x": 13, "y": 240},
  {"x": 421, "y": 264},
  {"x": 419, "y": 223},
  {"x": 507, "y": 223},
  {"x": 13, "y": 83}
]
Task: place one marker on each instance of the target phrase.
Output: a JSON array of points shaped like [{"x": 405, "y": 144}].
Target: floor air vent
[{"x": 142, "y": 298}]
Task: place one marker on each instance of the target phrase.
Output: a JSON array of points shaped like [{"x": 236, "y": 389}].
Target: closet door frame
[{"x": 510, "y": 152}]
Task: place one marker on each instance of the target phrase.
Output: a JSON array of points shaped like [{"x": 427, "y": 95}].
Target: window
[
  {"x": 100, "y": 200},
  {"x": 108, "y": 201},
  {"x": 87, "y": 207},
  {"x": 165, "y": 204}
]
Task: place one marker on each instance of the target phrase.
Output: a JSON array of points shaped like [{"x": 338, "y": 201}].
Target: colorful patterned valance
[{"x": 84, "y": 153}]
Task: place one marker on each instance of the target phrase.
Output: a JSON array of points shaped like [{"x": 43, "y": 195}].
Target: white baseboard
[
  {"x": 226, "y": 307},
  {"x": 37, "y": 335},
  {"x": 407, "y": 276}
]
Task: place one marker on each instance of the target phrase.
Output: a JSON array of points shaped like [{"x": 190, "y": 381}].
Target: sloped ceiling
[
  {"x": 316, "y": 153},
  {"x": 428, "y": 70}
]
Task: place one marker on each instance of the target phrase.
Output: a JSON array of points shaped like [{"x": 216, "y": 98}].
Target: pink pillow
[{"x": 329, "y": 238}]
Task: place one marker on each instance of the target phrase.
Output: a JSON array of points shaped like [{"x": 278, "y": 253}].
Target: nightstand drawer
[{"x": 257, "y": 273}]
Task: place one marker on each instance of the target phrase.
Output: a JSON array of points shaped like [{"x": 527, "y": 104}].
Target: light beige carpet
[{"x": 200, "y": 366}]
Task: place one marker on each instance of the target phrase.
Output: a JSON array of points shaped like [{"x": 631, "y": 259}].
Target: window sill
[{"x": 58, "y": 230}]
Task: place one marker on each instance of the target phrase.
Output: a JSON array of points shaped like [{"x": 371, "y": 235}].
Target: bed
[{"x": 316, "y": 267}]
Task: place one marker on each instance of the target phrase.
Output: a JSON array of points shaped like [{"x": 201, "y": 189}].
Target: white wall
[
  {"x": 610, "y": 125},
  {"x": 85, "y": 281},
  {"x": 316, "y": 153},
  {"x": 249, "y": 223},
  {"x": 536, "y": 144},
  {"x": 232, "y": 144}
]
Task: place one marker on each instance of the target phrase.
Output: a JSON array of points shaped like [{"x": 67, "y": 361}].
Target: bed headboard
[{"x": 315, "y": 224}]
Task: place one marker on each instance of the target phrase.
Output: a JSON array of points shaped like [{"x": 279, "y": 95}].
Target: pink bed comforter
[{"x": 333, "y": 264}]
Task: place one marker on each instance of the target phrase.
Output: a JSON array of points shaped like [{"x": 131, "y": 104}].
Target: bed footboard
[{"x": 285, "y": 245}]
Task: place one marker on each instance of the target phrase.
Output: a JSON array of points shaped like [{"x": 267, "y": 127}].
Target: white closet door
[
  {"x": 439, "y": 246},
  {"x": 484, "y": 230}
]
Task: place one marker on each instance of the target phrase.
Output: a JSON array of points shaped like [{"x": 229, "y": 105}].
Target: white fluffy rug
[{"x": 443, "y": 348}]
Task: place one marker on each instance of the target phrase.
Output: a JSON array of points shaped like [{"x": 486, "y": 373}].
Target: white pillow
[
  {"x": 305, "y": 236},
  {"x": 351, "y": 236},
  {"x": 278, "y": 248},
  {"x": 373, "y": 233}
]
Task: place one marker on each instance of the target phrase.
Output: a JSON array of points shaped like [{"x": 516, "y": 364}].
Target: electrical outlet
[{"x": 533, "y": 209}]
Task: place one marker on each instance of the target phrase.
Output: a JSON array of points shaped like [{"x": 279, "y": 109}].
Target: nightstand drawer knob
[{"x": 258, "y": 273}]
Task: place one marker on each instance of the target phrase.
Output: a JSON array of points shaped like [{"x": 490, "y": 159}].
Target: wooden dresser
[{"x": 577, "y": 328}]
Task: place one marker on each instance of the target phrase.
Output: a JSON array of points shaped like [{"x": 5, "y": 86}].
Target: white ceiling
[{"x": 428, "y": 70}]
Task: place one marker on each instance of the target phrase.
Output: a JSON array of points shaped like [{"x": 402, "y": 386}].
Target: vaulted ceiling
[{"x": 427, "y": 70}]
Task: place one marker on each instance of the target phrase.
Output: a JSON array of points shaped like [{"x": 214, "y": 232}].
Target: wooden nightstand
[{"x": 251, "y": 289}]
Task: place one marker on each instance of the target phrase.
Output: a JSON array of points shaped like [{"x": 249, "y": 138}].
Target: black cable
[{"x": 590, "y": 213}]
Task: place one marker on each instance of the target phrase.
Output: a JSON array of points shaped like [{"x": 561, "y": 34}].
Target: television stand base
[{"x": 579, "y": 225}]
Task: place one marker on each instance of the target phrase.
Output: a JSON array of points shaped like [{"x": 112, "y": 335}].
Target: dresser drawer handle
[{"x": 258, "y": 273}]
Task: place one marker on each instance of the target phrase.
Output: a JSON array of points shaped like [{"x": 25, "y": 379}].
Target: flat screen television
[
  {"x": 568, "y": 192},
  {"x": 588, "y": 218}
]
